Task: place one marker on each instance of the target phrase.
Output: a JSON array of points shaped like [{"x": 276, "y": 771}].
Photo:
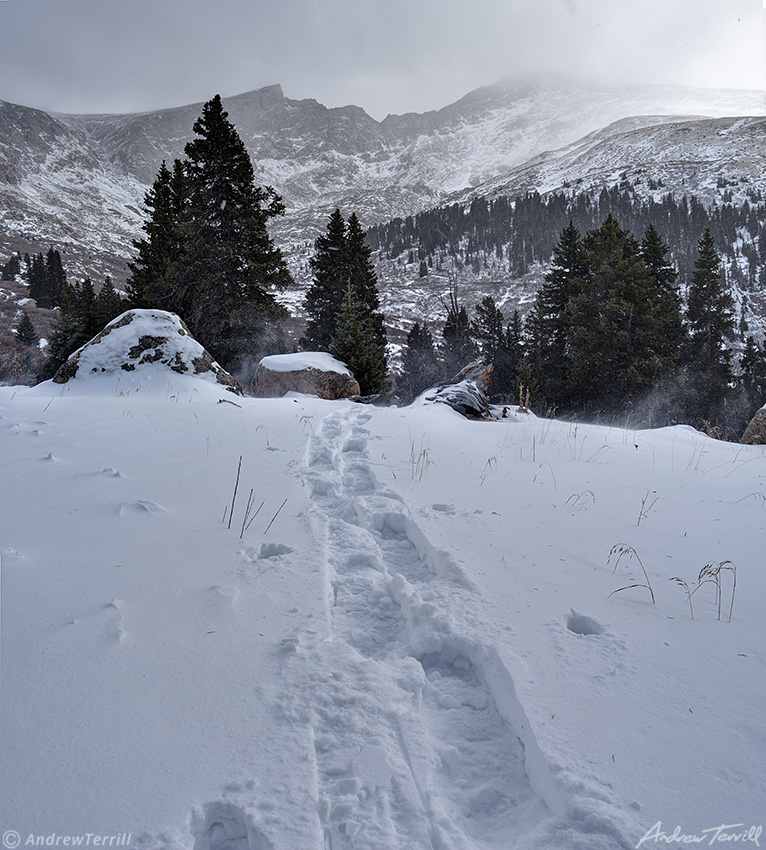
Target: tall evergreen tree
[
  {"x": 615, "y": 341},
  {"x": 207, "y": 253},
  {"x": 326, "y": 295},
  {"x": 108, "y": 304},
  {"x": 710, "y": 317},
  {"x": 458, "y": 347},
  {"x": 56, "y": 277},
  {"x": 25, "y": 331},
  {"x": 344, "y": 297},
  {"x": 508, "y": 361},
  {"x": 153, "y": 272},
  {"x": 37, "y": 278},
  {"x": 548, "y": 322},
  {"x": 753, "y": 377},
  {"x": 654, "y": 253},
  {"x": 420, "y": 363},
  {"x": 230, "y": 264},
  {"x": 11, "y": 268},
  {"x": 487, "y": 328},
  {"x": 358, "y": 346}
]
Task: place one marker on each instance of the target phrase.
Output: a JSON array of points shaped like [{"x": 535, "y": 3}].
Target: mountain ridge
[{"x": 77, "y": 181}]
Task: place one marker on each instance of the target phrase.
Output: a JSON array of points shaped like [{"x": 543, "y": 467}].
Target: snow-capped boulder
[
  {"x": 466, "y": 392},
  {"x": 311, "y": 372},
  {"x": 141, "y": 343},
  {"x": 755, "y": 433}
]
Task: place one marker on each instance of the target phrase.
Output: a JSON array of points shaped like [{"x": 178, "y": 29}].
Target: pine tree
[
  {"x": 108, "y": 304},
  {"x": 753, "y": 369},
  {"x": 654, "y": 253},
  {"x": 11, "y": 268},
  {"x": 207, "y": 253},
  {"x": 153, "y": 272},
  {"x": 548, "y": 322},
  {"x": 25, "y": 331},
  {"x": 326, "y": 295},
  {"x": 487, "y": 328},
  {"x": 508, "y": 361},
  {"x": 230, "y": 264},
  {"x": 342, "y": 264},
  {"x": 709, "y": 315},
  {"x": 56, "y": 277},
  {"x": 458, "y": 347},
  {"x": 357, "y": 345},
  {"x": 420, "y": 363},
  {"x": 37, "y": 278},
  {"x": 615, "y": 342}
]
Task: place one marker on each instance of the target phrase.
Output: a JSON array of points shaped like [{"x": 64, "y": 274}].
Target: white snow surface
[
  {"x": 407, "y": 641},
  {"x": 320, "y": 360}
]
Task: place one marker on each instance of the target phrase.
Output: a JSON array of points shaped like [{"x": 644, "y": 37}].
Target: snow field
[{"x": 417, "y": 649}]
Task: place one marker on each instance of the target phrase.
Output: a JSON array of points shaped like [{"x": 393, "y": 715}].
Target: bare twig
[
  {"x": 275, "y": 515},
  {"x": 236, "y": 485}
]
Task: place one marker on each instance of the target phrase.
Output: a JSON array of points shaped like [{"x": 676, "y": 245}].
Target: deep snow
[{"x": 411, "y": 645}]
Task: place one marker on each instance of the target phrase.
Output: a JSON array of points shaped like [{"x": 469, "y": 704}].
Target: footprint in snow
[{"x": 141, "y": 507}]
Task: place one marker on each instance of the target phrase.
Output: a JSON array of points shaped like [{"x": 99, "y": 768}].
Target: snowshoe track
[{"x": 444, "y": 769}]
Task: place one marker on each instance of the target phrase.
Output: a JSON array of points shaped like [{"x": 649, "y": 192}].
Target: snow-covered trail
[{"x": 419, "y": 739}]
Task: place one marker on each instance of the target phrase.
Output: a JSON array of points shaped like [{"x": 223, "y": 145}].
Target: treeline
[
  {"x": 609, "y": 338},
  {"x": 80, "y": 313},
  {"x": 521, "y": 232}
]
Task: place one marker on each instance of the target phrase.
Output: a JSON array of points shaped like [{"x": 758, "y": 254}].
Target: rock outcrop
[
  {"x": 138, "y": 339},
  {"x": 755, "y": 433},
  {"x": 311, "y": 372},
  {"x": 467, "y": 391}
]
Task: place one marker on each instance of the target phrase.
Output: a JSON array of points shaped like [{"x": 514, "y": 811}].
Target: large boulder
[
  {"x": 141, "y": 343},
  {"x": 755, "y": 433},
  {"x": 467, "y": 391},
  {"x": 311, "y": 372}
]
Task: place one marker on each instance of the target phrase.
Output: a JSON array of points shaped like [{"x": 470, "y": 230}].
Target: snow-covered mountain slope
[
  {"x": 694, "y": 157},
  {"x": 78, "y": 181},
  {"x": 406, "y": 635}
]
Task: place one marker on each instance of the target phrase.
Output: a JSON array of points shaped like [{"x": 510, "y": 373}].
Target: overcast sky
[{"x": 383, "y": 55}]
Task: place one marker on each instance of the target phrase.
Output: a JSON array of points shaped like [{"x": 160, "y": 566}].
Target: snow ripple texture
[{"x": 419, "y": 739}]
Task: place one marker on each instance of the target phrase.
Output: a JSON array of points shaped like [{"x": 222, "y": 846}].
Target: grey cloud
[{"x": 394, "y": 56}]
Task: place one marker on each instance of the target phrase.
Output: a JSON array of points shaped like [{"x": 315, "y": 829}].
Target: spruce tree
[
  {"x": 37, "y": 278},
  {"x": 753, "y": 373},
  {"x": 326, "y": 295},
  {"x": 56, "y": 277},
  {"x": 548, "y": 322},
  {"x": 230, "y": 264},
  {"x": 25, "y": 331},
  {"x": 357, "y": 345},
  {"x": 420, "y": 363},
  {"x": 207, "y": 253},
  {"x": 458, "y": 347},
  {"x": 487, "y": 328},
  {"x": 508, "y": 361},
  {"x": 670, "y": 328},
  {"x": 153, "y": 272},
  {"x": 710, "y": 317},
  {"x": 342, "y": 264},
  {"x": 615, "y": 342},
  {"x": 108, "y": 304}
]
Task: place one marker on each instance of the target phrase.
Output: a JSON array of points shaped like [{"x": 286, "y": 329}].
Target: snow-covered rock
[
  {"x": 466, "y": 392},
  {"x": 313, "y": 372},
  {"x": 755, "y": 433},
  {"x": 147, "y": 345}
]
